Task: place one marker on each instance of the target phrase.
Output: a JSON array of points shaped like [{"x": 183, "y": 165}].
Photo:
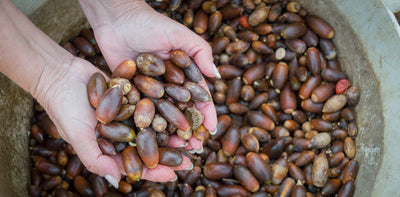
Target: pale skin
[{"x": 57, "y": 80}]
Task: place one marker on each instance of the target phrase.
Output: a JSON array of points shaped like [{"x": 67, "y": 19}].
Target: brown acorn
[
  {"x": 288, "y": 100},
  {"x": 279, "y": 171},
  {"x": 233, "y": 91},
  {"x": 349, "y": 147},
  {"x": 106, "y": 146},
  {"x": 180, "y": 59},
  {"x": 150, "y": 65},
  {"x": 124, "y": 84},
  {"x": 218, "y": 170},
  {"x": 319, "y": 26},
  {"x": 313, "y": 61},
  {"x": 125, "y": 112},
  {"x": 254, "y": 73},
  {"x": 193, "y": 72},
  {"x": 286, "y": 187},
  {"x": 109, "y": 105},
  {"x": 179, "y": 93},
  {"x": 126, "y": 69},
  {"x": 219, "y": 44},
  {"x": 258, "y": 100},
  {"x": 258, "y": 16},
  {"x": 335, "y": 103},
  {"x": 214, "y": 22},
  {"x": 260, "y": 120},
  {"x": 280, "y": 75},
  {"x": 320, "y": 170},
  {"x": 239, "y": 46},
  {"x": 74, "y": 167},
  {"x": 116, "y": 131},
  {"x": 231, "y": 141},
  {"x": 198, "y": 93},
  {"x": 259, "y": 167},
  {"x": 293, "y": 30},
  {"x": 173, "y": 74},
  {"x": 149, "y": 86},
  {"x": 84, "y": 46},
  {"x": 132, "y": 163},
  {"x": 147, "y": 148},
  {"x": 173, "y": 115},
  {"x": 144, "y": 113},
  {"x": 224, "y": 122},
  {"x": 250, "y": 142},
  {"x": 321, "y": 140},
  {"x": 95, "y": 89},
  {"x": 200, "y": 23},
  {"x": 170, "y": 157},
  {"x": 246, "y": 178},
  {"x": 231, "y": 190},
  {"x": 229, "y": 72},
  {"x": 82, "y": 186}
]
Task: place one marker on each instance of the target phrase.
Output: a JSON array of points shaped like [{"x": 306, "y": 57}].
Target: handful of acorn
[{"x": 159, "y": 85}]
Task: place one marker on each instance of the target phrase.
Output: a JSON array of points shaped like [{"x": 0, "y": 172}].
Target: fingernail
[
  {"x": 201, "y": 150},
  {"x": 198, "y": 151},
  {"x": 217, "y": 75},
  {"x": 214, "y": 132},
  {"x": 112, "y": 181},
  {"x": 176, "y": 178},
  {"x": 184, "y": 145},
  {"x": 190, "y": 167}
]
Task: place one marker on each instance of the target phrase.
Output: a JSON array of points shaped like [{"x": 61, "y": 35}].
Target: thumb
[{"x": 93, "y": 159}]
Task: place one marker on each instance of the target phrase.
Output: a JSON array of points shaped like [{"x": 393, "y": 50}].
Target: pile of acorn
[{"x": 286, "y": 125}]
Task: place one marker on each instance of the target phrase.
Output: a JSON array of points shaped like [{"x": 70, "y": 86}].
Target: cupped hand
[
  {"x": 133, "y": 27},
  {"x": 68, "y": 106}
]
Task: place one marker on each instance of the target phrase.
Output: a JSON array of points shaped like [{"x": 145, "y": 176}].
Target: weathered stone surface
[
  {"x": 15, "y": 114},
  {"x": 60, "y": 20}
]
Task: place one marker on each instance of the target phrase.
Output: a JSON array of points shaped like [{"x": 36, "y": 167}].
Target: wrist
[
  {"x": 52, "y": 77},
  {"x": 103, "y": 12},
  {"x": 29, "y": 59}
]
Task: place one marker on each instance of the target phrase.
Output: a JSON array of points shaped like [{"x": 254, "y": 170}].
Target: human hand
[
  {"x": 124, "y": 29},
  {"x": 67, "y": 104}
]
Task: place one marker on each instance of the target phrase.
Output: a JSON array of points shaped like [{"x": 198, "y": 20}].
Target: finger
[
  {"x": 208, "y": 110},
  {"x": 160, "y": 173},
  {"x": 194, "y": 144},
  {"x": 185, "y": 165},
  {"x": 176, "y": 142},
  {"x": 196, "y": 47},
  {"x": 118, "y": 159},
  {"x": 93, "y": 159}
]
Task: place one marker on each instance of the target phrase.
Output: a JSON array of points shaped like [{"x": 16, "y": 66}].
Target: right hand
[{"x": 128, "y": 28}]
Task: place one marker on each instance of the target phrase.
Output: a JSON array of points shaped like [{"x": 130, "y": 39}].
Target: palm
[
  {"x": 70, "y": 110},
  {"x": 144, "y": 30},
  {"x": 76, "y": 121}
]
